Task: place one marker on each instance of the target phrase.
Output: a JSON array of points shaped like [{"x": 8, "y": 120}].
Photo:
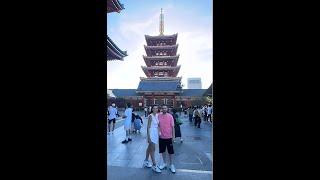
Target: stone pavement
[{"x": 192, "y": 158}]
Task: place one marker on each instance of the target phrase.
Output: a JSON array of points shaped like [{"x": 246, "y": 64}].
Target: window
[
  {"x": 157, "y": 63},
  {"x": 165, "y": 53},
  {"x": 165, "y": 63},
  {"x": 161, "y": 73},
  {"x": 161, "y": 63},
  {"x": 166, "y": 74}
]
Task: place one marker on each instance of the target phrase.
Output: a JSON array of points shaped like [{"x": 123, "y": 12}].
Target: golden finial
[{"x": 161, "y": 23}]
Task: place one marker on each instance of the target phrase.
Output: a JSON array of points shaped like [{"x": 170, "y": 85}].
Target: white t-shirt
[
  {"x": 128, "y": 113},
  {"x": 112, "y": 112}
]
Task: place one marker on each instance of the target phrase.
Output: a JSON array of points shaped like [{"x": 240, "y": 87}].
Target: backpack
[{"x": 133, "y": 117}]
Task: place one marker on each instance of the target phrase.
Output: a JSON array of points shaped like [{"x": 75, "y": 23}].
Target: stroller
[{"x": 137, "y": 124}]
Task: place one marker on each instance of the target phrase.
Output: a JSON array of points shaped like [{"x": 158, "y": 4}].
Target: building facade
[{"x": 194, "y": 83}]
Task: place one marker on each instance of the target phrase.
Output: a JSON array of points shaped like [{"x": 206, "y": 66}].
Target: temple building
[
  {"x": 161, "y": 86},
  {"x": 113, "y": 51}
]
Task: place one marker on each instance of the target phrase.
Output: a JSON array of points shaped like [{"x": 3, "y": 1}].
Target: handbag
[{"x": 179, "y": 121}]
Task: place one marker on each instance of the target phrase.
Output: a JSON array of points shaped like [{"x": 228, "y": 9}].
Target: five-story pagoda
[{"x": 162, "y": 86}]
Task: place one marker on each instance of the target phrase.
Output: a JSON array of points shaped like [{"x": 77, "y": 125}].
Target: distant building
[{"x": 194, "y": 83}]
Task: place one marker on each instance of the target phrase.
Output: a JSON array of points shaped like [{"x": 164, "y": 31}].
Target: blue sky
[{"x": 191, "y": 19}]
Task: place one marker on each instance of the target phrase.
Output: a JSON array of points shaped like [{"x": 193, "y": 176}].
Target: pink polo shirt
[{"x": 166, "y": 124}]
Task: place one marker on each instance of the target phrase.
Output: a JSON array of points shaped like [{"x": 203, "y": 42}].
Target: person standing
[
  {"x": 190, "y": 112},
  {"x": 145, "y": 111},
  {"x": 127, "y": 123},
  {"x": 197, "y": 117},
  {"x": 167, "y": 134},
  {"x": 177, "y": 129},
  {"x": 152, "y": 139},
  {"x": 113, "y": 113}
]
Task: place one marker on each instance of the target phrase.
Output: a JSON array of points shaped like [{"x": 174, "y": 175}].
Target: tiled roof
[
  {"x": 193, "y": 92},
  {"x": 124, "y": 92},
  {"x": 150, "y": 85}
]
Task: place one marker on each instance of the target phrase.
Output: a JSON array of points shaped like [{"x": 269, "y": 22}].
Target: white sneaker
[
  {"x": 147, "y": 164},
  {"x": 181, "y": 140},
  {"x": 162, "y": 166},
  {"x": 156, "y": 169},
  {"x": 172, "y": 168}
]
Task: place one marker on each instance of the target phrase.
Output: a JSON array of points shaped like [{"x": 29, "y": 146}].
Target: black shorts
[
  {"x": 166, "y": 143},
  {"x": 114, "y": 120}
]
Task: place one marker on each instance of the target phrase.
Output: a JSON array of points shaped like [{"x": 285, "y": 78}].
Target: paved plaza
[{"x": 192, "y": 158}]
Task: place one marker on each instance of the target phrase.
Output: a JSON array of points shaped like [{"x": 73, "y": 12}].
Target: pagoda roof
[
  {"x": 159, "y": 85},
  {"x": 161, "y": 47},
  {"x": 147, "y": 59},
  {"x": 173, "y": 36},
  {"x": 114, "y": 6},
  {"x": 161, "y": 67},
  {"x": 149, "y": 49},
  {"x": 161, "y": 57},
  {"x": 113, "y": 51},
  {"x": 175, "y": 69}
]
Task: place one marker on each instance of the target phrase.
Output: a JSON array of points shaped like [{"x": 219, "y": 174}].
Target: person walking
[
  {"x": 177, "y": 128},
  {"x": 127, "y": 123},
  {"x": 113, "y": 113},
  {"x": 167, "y": 134},
  {"x": 190, "y": 112},
  {"x": 152, "y": 139}
]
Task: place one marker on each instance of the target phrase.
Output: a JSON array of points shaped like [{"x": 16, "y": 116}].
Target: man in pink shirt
[{"x": 166, "y": 127}]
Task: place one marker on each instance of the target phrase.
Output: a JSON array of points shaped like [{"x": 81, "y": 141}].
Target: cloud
[{"x": 194, "y": 39}]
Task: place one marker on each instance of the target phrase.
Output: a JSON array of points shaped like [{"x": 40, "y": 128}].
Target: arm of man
[{"x": 173, "y": 130}]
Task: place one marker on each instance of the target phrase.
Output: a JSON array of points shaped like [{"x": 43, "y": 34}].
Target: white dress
[
  {"x": 153, "y": 130},
  {"x": 127, "y": 121}
]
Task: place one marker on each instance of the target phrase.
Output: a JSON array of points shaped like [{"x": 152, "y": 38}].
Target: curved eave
[
  {"x": 115, "y": 50},
  {"x": 162, "y": 47},
  {"x": 114, "y": 6},
  {"x": 177, "y": 68},
  {"x": 173, "y": 36},
  {"x": 113, "y": 55},
  {"x": 150, "y": 49},
  {"x": 156, "y": 58}
]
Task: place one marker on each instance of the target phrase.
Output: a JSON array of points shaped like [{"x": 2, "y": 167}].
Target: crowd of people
[{"x": 163, "y": 127}]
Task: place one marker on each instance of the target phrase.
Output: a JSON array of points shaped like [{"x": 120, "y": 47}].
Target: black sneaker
[
  {"x": 129, "y": 139},
  {"x": 124, "y": 142}
]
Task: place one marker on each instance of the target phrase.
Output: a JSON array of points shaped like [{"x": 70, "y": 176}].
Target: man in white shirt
[{"x": 113, "y": 112}]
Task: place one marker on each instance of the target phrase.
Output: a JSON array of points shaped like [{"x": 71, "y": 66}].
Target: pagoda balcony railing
[
  {"x": 162, "y": 47},
  {"x": 161, "y": 67},
  {"x": 161, "y": 57}
]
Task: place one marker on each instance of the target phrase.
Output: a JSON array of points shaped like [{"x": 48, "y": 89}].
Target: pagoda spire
[{"x": 161, "y": 29}]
